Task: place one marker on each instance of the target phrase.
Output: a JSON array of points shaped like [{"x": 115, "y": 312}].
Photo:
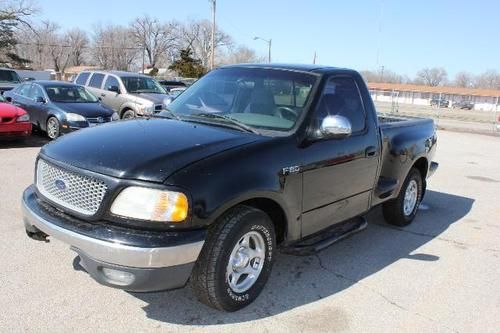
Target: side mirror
[
  {"x": 40, "y": 100},
  {"x": 336, "y": 127},
  {"x": 115, "y": 89},
  {"x": 168, "y": 100}
]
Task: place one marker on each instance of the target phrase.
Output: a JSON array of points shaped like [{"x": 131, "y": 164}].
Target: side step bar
[{"x": 323, "y": 239}]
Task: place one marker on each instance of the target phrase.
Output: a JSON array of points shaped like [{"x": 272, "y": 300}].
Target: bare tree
[
  {"x": 154, "y": 37},
  {"x": 241, "y": 54},
  {"x": 43, "y": 46},
  {"x": 78, "y": 43},
  {"x": 464, "y": 79},
  {"x": 113, "y": 47},
  {"x": 197, "y": 35},
  {"x": 17, "y": 11},
  {"x": 432, "y": 76},
  {"x": 384, "y": 75},
  {"x": 14, "y": 14},
  {"x": 489, "y": 80}
]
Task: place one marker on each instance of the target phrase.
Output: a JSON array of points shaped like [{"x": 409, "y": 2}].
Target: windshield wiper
[{"x": 233, "y": 121}]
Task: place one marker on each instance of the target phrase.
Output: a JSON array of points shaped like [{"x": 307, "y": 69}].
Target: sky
[{"x": 403, "y": 36}]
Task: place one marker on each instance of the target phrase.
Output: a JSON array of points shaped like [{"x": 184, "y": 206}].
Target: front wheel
[
  {"x": 236, "y": 260},
  {"x": 129, "y": 114},
  {"x": 53, "y": 128},
  {"x": 402, "y": 210}
]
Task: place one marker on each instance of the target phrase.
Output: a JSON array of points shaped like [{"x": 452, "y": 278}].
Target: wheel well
[
  {"x": 422, "y": 165},
  {"x": 274, "y": 211},
  {"x": 123, "y": 111}
]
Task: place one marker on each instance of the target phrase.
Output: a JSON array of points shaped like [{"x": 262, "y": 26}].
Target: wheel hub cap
[
  {"x": 411, "y": 197},
  {"x": 246, "y": 262}
]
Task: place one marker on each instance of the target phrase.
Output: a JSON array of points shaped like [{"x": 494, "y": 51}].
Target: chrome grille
[{"x": 79, "y": 193}]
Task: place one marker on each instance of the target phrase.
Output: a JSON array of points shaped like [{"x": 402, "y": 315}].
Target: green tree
[{"x": 187, "y": 66}]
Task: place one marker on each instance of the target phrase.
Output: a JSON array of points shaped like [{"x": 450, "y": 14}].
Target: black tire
[
  {"x": 394, "y": 211},
  {"x": 209, "y": 279},
  {"x": 53, "y": 128},
  {"x": 128, "y": 114}
]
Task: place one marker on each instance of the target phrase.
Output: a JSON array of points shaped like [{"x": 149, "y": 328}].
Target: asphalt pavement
[{"x": 442, "y": 273}]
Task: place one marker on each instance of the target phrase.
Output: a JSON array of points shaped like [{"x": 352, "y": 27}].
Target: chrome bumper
[{"x": 112, "y": 252}]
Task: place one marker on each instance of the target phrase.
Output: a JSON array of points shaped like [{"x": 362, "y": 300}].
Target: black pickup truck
[{"x": 249, "y": 160}]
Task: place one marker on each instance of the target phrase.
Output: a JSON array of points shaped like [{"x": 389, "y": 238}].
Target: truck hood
[{"x": 143, "y": 149}]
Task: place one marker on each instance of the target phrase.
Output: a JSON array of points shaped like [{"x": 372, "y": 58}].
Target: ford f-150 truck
[{"x": 248, "y": 161}]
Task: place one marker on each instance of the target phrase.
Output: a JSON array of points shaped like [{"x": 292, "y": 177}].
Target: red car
[{"x": 14, "y": 121}]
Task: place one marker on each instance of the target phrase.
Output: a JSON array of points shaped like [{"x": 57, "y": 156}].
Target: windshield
[
  {"x": 9, "y": 76},
  {"x": 140, "y": 84},
  {"x": 259, "y": 98},
  {"x": 70, "y": 94}
]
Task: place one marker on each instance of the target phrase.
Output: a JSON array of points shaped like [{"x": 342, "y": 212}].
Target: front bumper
[
  {"x": 147, "y": 260},
  {"x": 71, "y": 126},
  {"x": 15, "y": 129}
]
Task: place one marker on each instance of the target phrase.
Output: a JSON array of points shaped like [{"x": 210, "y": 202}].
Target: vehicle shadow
[
  {"x": 36, "y": 139},
  {"x": 297, "y": 281}
]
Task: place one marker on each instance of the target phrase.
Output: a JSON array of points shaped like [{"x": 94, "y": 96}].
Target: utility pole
[
  {"x": 269, "y": 51},
  {"x": 212, "y": 55},
  {"x": 269, "y": 42},
  {"x": 143, "y": 49},
  {"x": 314, "y": 58}
]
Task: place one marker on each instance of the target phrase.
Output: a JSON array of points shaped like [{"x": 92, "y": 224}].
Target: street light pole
[
  {"x": 212, "y": 55},
  {"x": 268, "y": 41}
]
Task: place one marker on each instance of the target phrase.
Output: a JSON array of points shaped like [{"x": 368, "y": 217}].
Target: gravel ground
[{"x": 442, "y": 273}]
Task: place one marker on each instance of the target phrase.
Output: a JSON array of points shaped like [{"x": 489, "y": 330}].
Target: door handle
[
  {"x": 103, "y": 95},
  {"x": 370, "y": 151}
]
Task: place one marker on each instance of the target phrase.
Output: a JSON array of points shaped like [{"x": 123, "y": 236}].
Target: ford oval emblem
[{"x": 60, "y": 184}]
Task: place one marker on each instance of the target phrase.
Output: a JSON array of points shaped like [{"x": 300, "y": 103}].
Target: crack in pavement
[{"x": 376, "y": 292}]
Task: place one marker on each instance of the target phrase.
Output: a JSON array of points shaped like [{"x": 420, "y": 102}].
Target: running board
[{"x": 320, "y": 241}]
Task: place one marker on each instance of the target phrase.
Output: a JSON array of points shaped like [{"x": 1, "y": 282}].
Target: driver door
[{"x": 339, "y": 174}]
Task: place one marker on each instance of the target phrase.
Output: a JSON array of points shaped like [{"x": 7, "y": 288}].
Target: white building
[{"x": 483, "y": 99}]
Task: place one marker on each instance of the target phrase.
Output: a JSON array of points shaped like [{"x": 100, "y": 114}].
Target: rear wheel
[
  {"x": 236, "y": 259},
  {"x": 402, "y": 210},
  {"x": 53, "y": 128}
]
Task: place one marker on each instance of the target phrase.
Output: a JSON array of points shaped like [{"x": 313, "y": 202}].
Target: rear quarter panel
[{"x": 403, "y": 144}]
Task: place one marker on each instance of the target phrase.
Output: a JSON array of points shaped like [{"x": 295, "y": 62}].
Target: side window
[
  {"x": 35, "y": 92},
  {"x": 96, "y": 80},
  {"x": 341, "y": 97},
  {"x": 24, "y": 89},
  {"x": 111, "y": 81},
  {"x": 82, "y": 78}
]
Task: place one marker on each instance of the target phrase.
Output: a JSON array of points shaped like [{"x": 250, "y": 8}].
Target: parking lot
[{"x": 442, "y": 273}]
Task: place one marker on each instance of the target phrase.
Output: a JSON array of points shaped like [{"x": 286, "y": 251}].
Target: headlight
[
  {"x": 24, "y": 117},
  {"x": 115, "y": 116},
  {"x": 147, "y": 109},
  {"x": 151, "y": 204},
  {"x": 74, "y": 117}
]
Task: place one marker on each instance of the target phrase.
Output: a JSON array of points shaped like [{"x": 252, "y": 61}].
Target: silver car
[{"x": 128, "y": 94}]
